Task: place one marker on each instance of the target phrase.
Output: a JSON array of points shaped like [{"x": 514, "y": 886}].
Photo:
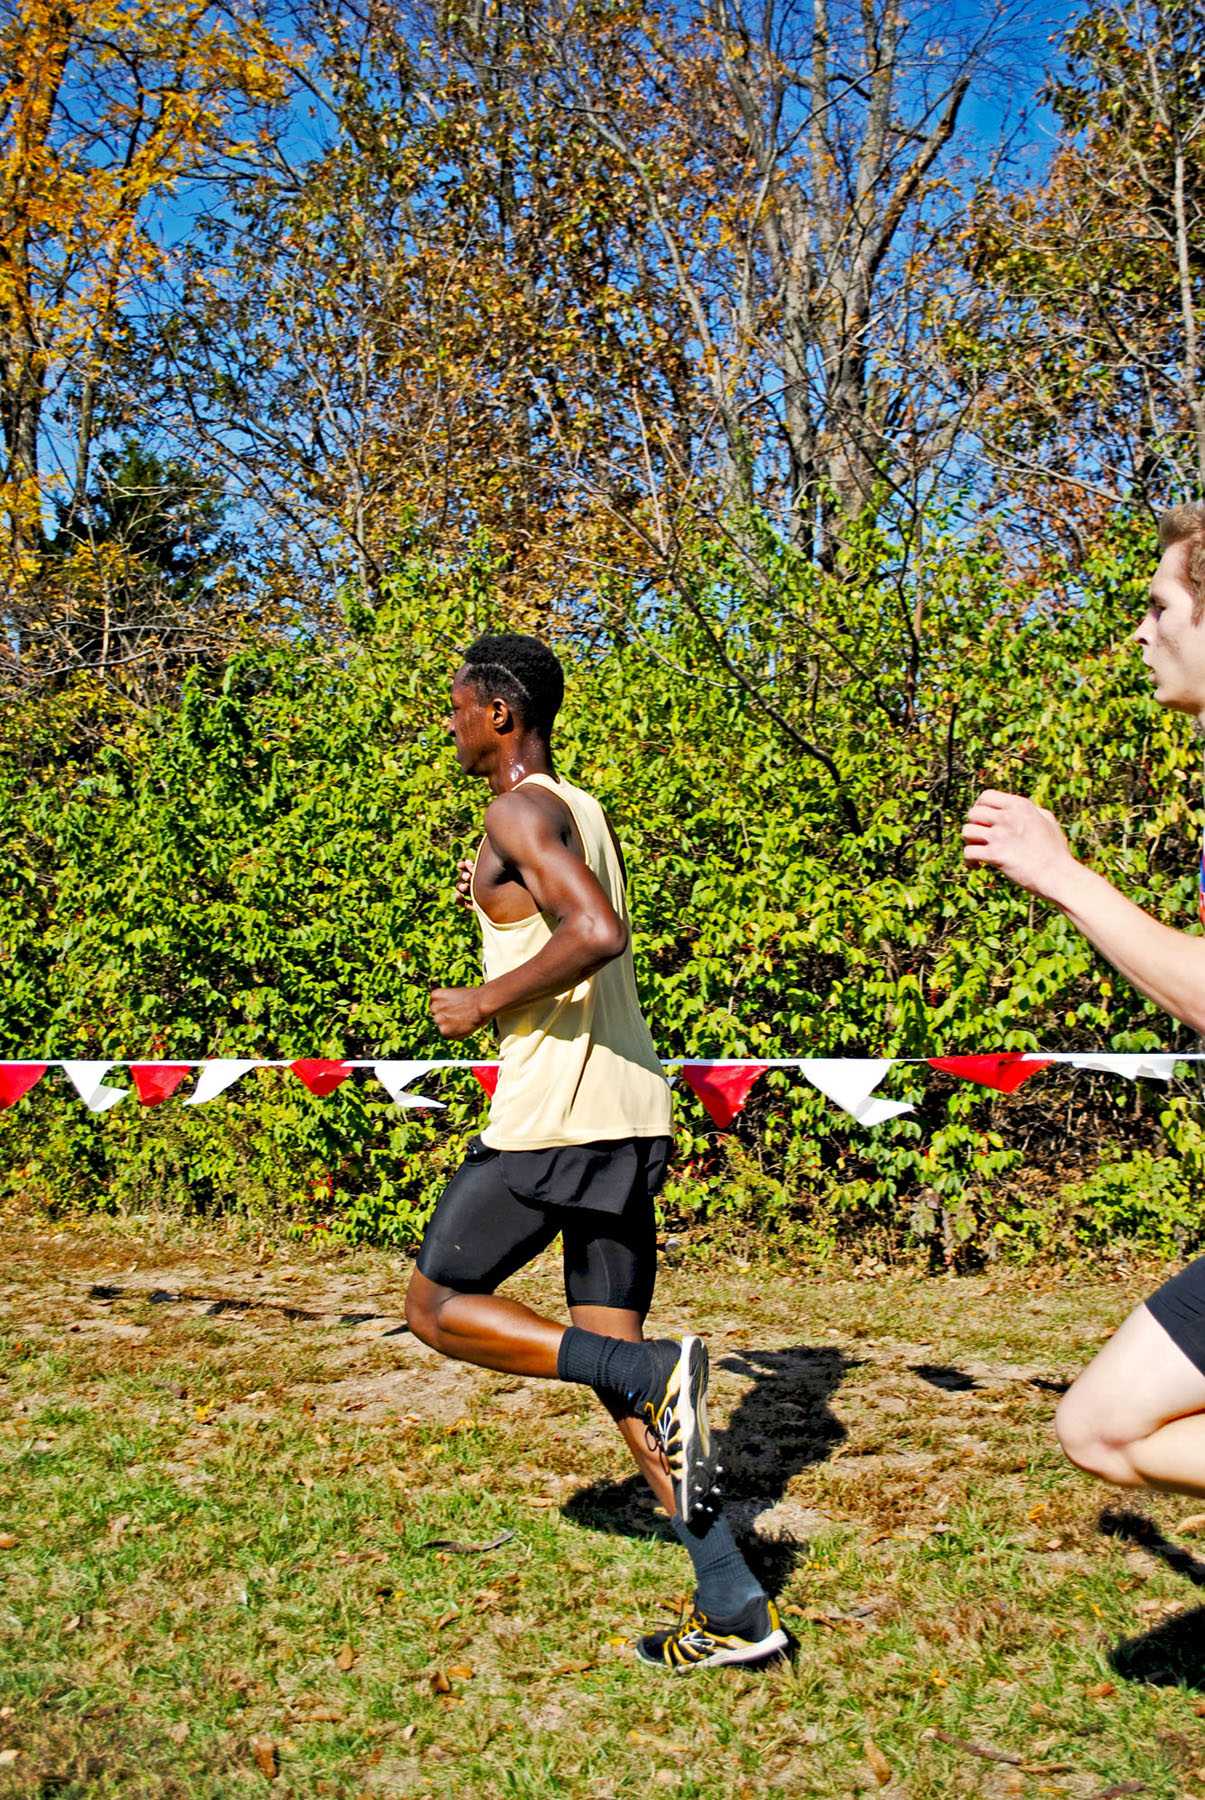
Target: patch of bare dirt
[{"x": 805, "y": 1375}]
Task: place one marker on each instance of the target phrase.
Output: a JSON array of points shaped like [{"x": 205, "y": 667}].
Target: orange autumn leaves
[{"x": 105, "y": 113}]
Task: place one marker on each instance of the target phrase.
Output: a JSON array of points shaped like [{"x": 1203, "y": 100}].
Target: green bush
[{"x": 267, "y": 870}]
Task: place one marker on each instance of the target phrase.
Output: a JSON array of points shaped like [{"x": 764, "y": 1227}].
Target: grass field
[{"x": 255, "y": 1538}]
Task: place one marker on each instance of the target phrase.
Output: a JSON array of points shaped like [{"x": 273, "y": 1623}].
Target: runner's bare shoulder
[{"x": 524, "y": 813}]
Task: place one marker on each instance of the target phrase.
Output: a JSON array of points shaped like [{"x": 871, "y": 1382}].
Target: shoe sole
[
  {"x": 775, "y": 1643},
  {"x": 697, "y": 1474}
]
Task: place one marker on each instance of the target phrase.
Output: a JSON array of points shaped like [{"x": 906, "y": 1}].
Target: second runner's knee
[{"x": 1087, "y": 1441}]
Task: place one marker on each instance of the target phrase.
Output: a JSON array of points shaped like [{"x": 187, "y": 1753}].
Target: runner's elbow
[{"x": 602, "y": 936}]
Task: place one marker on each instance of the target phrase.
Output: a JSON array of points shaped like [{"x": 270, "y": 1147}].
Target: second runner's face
[{"x": 1173, "y": 645}]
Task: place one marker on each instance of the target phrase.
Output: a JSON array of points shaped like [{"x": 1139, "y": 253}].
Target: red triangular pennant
[
  {"x": 156, "y": 1082},
  {"x": 487, "y": 1075},
  {"x": 1007, "y": 1072},
  {"x": 319, "y": 1075},
  {"x": 722, "y": 1087},
  {"x": 17, "y": 1079}
]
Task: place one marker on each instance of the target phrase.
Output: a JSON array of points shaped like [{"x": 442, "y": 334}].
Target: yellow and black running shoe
[
  {"x": 698, "y": 1642},
  {"x": 674, "y": 1410}
]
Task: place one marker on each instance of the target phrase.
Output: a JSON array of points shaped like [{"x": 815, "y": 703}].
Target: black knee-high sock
[
  {"x": 725, "y": 1584},
  {"x": 610, "y": 1364}
]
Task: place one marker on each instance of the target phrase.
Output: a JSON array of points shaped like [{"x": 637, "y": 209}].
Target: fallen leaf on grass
[
  {"x": 458, "y": 1549},
  {"x": 307, "y": 1481},
  {"x": 117, "y": 1526},
  {"x": 320, "y": 1715},
  {"x": 439, "y": 1682},
  {"x": 267, "y": 1760},
  {"x": 972, "y": 1749},
  {"x": 815, "y": 1616},
  {"x": 8, "y": 1540},
  {"x": 539, "y": 1500},
  {"x": 880, "y": 1768},
  {"x": 1193, "y": 1523},
  {"x": 346, "y": 1658},
  {"x": 407, "y": 1732},
  {"x": 652, "y": 1742},
  {"x": 7, "y": 1757},
  {"x": 73, "y": 1623},
  {"x": 1100, "y": 1690},
  {"x": 578, "y": 1668},
  {"x": 461, "y": 1672},
  {"x": 446, "y": 1618},
  {"x": 178, "y": 1733}
]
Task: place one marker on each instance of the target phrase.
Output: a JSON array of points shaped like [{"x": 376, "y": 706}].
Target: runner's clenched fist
[{"x": 1021, "y": 839}]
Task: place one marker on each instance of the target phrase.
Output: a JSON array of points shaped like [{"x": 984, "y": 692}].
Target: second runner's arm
[{"x": 1026, "y": 843}]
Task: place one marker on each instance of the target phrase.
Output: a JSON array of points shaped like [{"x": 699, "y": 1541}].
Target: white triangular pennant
[
  {"x": 849, "y": 1083},
  {"x": 1149, "y": 1065},
  {"x": 88, "y": 1080},
  {"x": 216, "y": 1077},
  {"x": 395, "y": 1077}
]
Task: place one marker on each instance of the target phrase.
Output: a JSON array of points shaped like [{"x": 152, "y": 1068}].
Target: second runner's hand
[{"x": 1021, "y": 839}]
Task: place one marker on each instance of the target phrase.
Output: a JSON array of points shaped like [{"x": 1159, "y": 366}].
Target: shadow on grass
[
  {"x": 940, "y": 1375},
  {"x": 1172, "y": 1653},
  {"x": 958, "y": 1381},
  {"x": 780, "y": 1425}
]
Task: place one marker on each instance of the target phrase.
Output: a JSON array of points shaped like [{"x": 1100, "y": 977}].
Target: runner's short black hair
[{"x": 520, "y": 670}]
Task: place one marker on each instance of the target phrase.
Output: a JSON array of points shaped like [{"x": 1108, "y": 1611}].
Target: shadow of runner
[
  {"x": 781, "y": 1424},
  {"x": 1135, "y": 1528},
  {"x": 1171, "y": 1654},
  {"x": 942, "y": 1375}
]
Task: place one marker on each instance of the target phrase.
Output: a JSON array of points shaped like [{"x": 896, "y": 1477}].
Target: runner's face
[
  {"x": 470, "y": 726},
  {"x": 1173, "y": 644}
]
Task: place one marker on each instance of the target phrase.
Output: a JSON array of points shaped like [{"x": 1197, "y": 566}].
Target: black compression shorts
[
  {"x": 1179, "y": 1306},
  {"x": 502, "y": 1208}
]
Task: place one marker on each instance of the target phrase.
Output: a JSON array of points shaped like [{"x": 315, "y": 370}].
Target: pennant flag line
[
  {"x": 16, "y": 1079},
  {"x": 1006, "y": 1072},
  {"x": 156, "y": 1082},
  {"x": 849, "y": 1082},
  {"x": 1153, "y": 1067},
  {"x": 88, "y": 1080},
  {"x": 319, "y": 1075},
  {"x": 395, "y": 1078},
  {"x": 722, "y": 1087},
  {"x": 216, "y": 1077}
]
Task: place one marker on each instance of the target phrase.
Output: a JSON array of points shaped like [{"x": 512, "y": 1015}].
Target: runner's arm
[
  {"x": 1026, "y": 843},
  {"x": 589, "y": 933}
]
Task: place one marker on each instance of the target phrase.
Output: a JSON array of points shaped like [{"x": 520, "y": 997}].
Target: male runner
[
  {"x": 577, "y": 1140},
  {"x": 1136, "y": 1416}
]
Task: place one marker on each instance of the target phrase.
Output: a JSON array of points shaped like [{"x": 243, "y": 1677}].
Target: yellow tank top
[{"x": 578, "y": 1067}]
